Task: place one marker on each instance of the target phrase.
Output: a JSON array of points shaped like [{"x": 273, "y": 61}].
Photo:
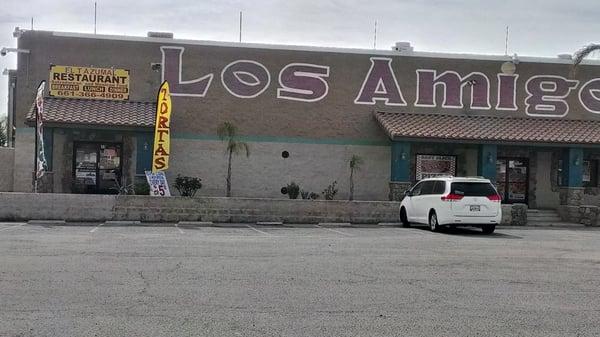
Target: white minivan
[{"x": 452, "y": 201}]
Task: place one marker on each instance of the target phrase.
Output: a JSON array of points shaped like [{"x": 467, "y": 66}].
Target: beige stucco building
[{"x": 530, "y": 124}]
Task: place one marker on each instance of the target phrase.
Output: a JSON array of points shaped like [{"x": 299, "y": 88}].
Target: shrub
[
  {"x": 187, "y": 186},
  {"x": 309, "y": 195},
  {"x": 293, "y": 190},
  {"x": 141, "y": 188},
  {"x": 330, "y": 191}
]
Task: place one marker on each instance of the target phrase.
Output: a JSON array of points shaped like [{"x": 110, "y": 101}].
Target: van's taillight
[
  {"x": 495, "y": 197},
  {"x": 452, "y": 197}
]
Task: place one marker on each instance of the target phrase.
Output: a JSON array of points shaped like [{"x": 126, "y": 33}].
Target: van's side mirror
[{"x": 407, "y": 193}]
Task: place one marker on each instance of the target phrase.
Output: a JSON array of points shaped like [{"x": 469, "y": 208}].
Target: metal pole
[
  {"x": 95, "y": 16},
  {"x": 240, "y": 26},
  {"x": 506, "y": 42},
  {"x": 375, "y": 36}
]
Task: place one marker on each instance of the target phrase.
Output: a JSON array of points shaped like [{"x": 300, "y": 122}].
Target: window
[
  {"x": 590, "y": 173},
  {"x": 439, "y": 187},
  {"x": 416, "y": 190},
  {"x": 427, "y": 187},
  {"x": 472, "y": 189}
]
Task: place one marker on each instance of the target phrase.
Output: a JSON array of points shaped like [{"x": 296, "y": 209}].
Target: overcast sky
[{"x": 537, "y": 27}]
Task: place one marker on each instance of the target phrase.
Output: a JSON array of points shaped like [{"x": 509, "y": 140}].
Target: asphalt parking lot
[{"x": 305, "y": 280}]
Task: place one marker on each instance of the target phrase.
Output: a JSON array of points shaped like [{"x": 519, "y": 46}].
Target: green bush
[
  {"x": 306, "y": 195},
  {"x": 187, "y": 186},
  {"x": 141, "y": 188},
  {"x": 293, "y": 190}
]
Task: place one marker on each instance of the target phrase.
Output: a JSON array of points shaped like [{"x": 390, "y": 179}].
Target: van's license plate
[{"x": 475, "y": 208}]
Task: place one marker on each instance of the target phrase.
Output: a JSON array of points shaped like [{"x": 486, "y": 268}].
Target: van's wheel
[
  {"x": 404, "y": 218},
  {"x": 433, "y": 222},
  {"x": 488, "y": 229}
]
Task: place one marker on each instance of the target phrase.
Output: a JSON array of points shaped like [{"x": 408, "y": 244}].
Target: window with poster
[
  {"x": 432, "y": 165},
  {"x": 97, "y": 167},
  {"x": 512, "y": 179},
  {"x": 589, "y": 175}
]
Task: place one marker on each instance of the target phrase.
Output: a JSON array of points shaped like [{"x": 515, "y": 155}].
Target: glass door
[
  {"x": 512, "y": 177},
  {"x": 97, "y": 168},
  {"x": 86, "y": 165}
]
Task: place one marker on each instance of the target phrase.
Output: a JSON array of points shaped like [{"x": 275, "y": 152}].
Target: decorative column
[
  {"x": 400, "y": 170},
  {"x": 486, "y": 161},
  {"x": 571, "y": 193}
]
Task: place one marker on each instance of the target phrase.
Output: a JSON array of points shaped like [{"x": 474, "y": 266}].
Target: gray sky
[{"x": 537, "y": 27}]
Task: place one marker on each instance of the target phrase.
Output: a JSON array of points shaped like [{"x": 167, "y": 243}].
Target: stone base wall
[
  {"x": 397, "y": 189},
  {"x": 81, "y": 207},
  {"x": 585, "y": 214},
  {"x": 571, "y": 196},
  {"x": 514, "y": 215}
]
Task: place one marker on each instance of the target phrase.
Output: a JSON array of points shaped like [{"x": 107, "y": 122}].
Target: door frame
[{"x": 506, "y": 181}]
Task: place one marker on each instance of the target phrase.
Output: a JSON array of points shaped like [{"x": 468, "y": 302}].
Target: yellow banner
[
  {"x": 162, "y": 130},
  {"x": 86, "y": 82}
]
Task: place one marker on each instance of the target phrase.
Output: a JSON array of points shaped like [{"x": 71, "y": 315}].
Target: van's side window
[{"x": 439, "y": 187}]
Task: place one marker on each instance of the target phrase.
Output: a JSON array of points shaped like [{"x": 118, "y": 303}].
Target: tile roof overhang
[
  {"x": 488, "y": 129},
  {"x": 101, "y": 113}
]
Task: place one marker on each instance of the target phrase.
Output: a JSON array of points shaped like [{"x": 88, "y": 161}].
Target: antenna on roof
[
  {"x": 375, "y": 36},
  {"x": 506, "y": 42},
  {"x": 95, "y": 16},
  {"x": 240, "y": 26},
  {"x": 32, "y": 23}
]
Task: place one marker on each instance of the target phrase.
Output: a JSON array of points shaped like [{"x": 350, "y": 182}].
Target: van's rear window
[{"x": 473, "y": 189}]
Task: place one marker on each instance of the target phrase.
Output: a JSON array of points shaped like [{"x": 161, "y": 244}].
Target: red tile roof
[
  {"x": 489, "y": 128},
  {"x": 96, "y": 112}
]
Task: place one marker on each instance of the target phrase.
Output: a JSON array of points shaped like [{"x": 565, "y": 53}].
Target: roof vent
[
  {"x": 403, "y": 47},
  {"x": 163, "y": 35}
]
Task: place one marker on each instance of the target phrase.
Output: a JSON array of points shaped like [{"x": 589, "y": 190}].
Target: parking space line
[
  {"x": 259, "y": 231},
  {"x": 7, "y": 228},
  {"x": 96, "y": 228},
  {"x": 333, "y": 230},
  {"x": 179, "y": 229}
]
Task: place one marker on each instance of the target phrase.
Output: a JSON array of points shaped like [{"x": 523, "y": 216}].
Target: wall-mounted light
[
  {"x": 489, "y": 158},
  {"x": 155, "y": 66},
  {"x": 5, "y": 51},
  {"x": 403, "y": 155},
  {"x": 145, "y": 146},
  {"x": 576, "y": 162}
]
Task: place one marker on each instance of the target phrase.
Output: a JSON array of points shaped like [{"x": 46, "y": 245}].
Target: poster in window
[{"x": 429, "y": 166}]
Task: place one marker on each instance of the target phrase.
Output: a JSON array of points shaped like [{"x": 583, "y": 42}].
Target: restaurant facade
[{"x": 531, "y": 125}]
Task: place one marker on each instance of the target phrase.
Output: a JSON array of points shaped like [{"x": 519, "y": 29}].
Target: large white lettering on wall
[
  {"x": 380, "y": 84},
  {"x": 452, "y": 85},
  {"x": 540, "y": 95},
  {"x": 546, "y": 95}
]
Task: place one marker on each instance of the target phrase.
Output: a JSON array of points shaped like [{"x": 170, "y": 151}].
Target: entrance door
[
  {"x": 97, "y": 168},
  {"x": 512, "y": 175}
]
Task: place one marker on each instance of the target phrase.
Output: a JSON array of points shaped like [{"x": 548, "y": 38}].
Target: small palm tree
[
  {"x": 355, "y": 164},
  {"x": 582, "y": 53},
  {"x": 228, "y": 133}
]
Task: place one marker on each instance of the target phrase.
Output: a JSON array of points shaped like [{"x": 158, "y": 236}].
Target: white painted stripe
[
  {"x": 179, "y": 229},
  {"x": 333, "y": 230},
  {"x": 96, "y": 228},
  {"x": 259, "y": 231},
  {"x": 7, "y": 228}
]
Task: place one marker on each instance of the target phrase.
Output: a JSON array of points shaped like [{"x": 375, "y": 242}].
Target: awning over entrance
[
  {"x": 106, "y": 113},
  {"x": 489, "y": 128}
]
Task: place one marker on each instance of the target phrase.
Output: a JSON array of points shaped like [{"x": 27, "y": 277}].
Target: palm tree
[
  {"x": 228, "y": 133},
  {"x": 582, "y": 53},
  {"x": 355, "y": 164}
]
